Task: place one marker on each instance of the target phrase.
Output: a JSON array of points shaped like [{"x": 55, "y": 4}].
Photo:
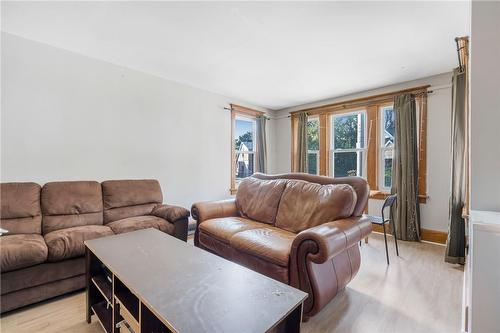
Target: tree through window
[
  {"x": 348, "y": 144},
  {"x": 313, "y": 146}
]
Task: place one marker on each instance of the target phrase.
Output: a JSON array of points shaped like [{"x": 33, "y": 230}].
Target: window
[
  {"x": 313, "y": 145},
  {"x": 244, "y": 143},
  {"x": 348, "y": 144},
  {"x": 386, "y": 147},
  {"x": 356, "y": 138}
]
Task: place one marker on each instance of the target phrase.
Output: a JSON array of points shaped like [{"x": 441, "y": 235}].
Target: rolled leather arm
[
  {"x": 332, "y": 238},
  {"x": 170, "y": 213},
  {"x": 202, "y": 211}
]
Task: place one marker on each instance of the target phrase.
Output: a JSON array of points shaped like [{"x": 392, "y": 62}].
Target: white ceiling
[{"x": 274, "y": 55}]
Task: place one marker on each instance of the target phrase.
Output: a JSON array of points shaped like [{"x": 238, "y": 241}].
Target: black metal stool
[{"x": 389, "y": 201}]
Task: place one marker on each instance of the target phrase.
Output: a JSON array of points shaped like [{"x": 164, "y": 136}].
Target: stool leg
[
  {"x": 394, "y": 234},
  {"x": 385, "y": 240}
]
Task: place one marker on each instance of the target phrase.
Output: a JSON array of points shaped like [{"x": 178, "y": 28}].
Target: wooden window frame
[
  {"x": 238, "y": 110},
  {"x": 372, "y": 106}
]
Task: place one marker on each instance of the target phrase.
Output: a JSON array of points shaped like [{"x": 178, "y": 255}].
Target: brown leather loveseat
[
  {"x": 42, "y": 253},
  {"x": 300, "y": 229}
]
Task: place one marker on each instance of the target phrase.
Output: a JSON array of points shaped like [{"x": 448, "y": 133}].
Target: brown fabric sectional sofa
[
  {"x": 42, "y": 253},
  {"x": 300, "y": 229}
]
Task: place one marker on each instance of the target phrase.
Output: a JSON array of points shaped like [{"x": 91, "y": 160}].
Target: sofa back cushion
[
  {"x": 71, "y": 204},
  {"x": 20, "y": 208},
  {"x": 258, "y": 199},
  {"x": 129, "y": 198},
  {"x": 360, "y": 185},
  {"x": 305, "y": 205}
]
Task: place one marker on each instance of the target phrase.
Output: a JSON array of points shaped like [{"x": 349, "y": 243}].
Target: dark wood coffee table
[{"x": 149, "y": 281}]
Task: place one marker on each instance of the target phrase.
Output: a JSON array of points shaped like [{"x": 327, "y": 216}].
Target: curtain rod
[
  {"x": 264, "y": 115},
  {"x": 356, "y": 102},
  {"x": 427, "y": 92}
]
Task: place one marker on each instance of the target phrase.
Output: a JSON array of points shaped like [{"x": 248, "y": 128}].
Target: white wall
[
  {"x": 434, "y": 213},
  {"x": 69, "y": 117},
  {"x": 485, "y": 105}
]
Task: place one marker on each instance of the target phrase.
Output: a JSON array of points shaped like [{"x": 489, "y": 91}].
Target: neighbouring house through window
[
  {"x": 244, "y": 143},
  {"x": 386, "y": 147}
]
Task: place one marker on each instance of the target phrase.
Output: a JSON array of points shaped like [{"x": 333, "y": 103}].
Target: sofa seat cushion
[
  {"x": 23, "y": 250},
  {"x": 269, "y": 243},
  {"x": 256, "y": 264},
  {"x": 224, "y": 228},
  {"x": 41, "y": 274},
  {"x": 68, "y": 243},
  {"x": 141, "y": 222}
]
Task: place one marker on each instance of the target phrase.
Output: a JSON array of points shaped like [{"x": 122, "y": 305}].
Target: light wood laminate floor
[{"x": 417, "y": 293}]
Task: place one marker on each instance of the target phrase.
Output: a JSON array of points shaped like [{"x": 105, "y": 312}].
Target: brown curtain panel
[
  {"x": 406, "y": 211},
  {"x": 261, "y": 144},
  {"x": 455, "y": 245},
  {"x": 301, "y": 142}
]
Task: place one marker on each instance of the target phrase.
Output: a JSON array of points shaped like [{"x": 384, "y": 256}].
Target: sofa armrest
[
  {"x": 176, "y": 215},
  {"x": 330, "y": 239},
  {"x": 202, "y": 211},
  {"x": 170, "y": 213}
]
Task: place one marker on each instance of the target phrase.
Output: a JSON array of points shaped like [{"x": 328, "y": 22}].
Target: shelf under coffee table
[{"x": 149, "y": 282}]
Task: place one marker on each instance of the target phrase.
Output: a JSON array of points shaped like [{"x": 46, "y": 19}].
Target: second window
[{"x": 348, "y": 144}]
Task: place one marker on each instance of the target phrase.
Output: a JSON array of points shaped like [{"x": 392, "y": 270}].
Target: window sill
[{"x": 379, "y": 195}]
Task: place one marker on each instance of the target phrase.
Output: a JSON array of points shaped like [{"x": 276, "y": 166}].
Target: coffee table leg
[
  {"x": 87, "y": 283},
  {"x": 150, "y": 323},
  {"x": 291, "y": 323},
  {"x": 92, "y": 294}
]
